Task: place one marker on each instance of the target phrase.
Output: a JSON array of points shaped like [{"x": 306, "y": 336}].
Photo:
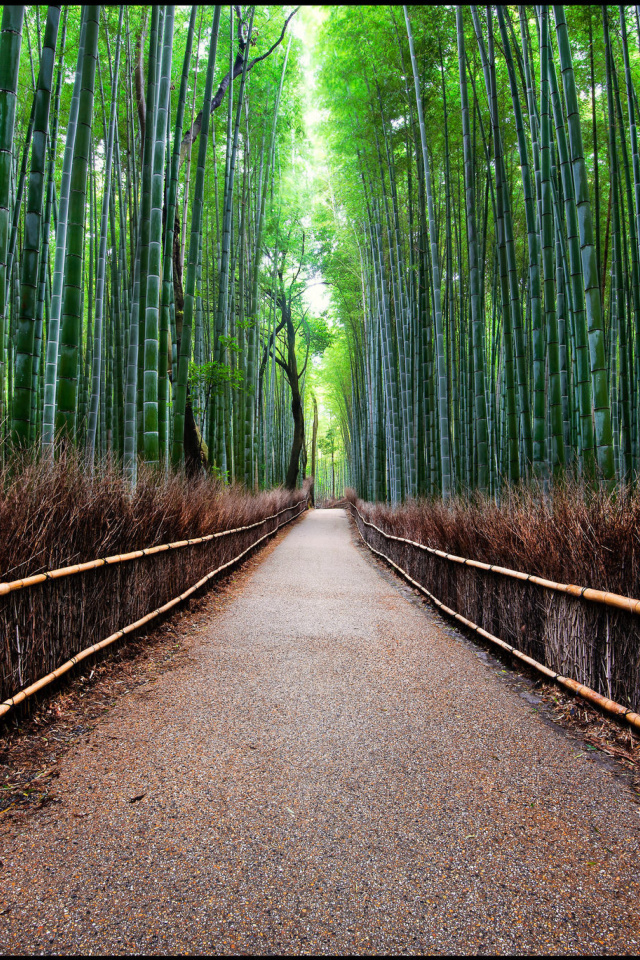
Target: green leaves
[
  {"x": 320, "y": 335},
  {"x": 213, "y": 375}
]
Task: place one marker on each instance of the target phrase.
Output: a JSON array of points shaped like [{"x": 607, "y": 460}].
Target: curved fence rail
[
  {"x": 49, "y": 617},
  {"x": 550, "y": 625},
  {"x": 13, "y": 585},
  {"x": 585, "y": 593}
]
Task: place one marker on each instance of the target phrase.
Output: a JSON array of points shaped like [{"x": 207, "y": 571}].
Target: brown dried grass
[
  {"x": 55, "y": 515},
  {"x": 572, "y": 535}
]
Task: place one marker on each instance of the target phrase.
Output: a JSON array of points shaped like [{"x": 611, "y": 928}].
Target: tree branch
[
  {"x": 276, "y": 44},
  {"x": 268, "y": 346},
  {"x": 191, "y": 134}
]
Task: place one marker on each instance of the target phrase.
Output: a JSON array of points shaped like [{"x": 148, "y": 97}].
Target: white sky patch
[
  {"x": 317, "y": 296},
  {"x": 304, "y": 26}
]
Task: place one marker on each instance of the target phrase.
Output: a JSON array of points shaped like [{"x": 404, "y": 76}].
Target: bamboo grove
[
  {"x": 486, "y": 202},
  {"x": 150, "y": 264}
]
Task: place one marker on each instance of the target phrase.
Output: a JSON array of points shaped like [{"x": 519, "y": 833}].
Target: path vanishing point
[{"x": 334, "y": 770}]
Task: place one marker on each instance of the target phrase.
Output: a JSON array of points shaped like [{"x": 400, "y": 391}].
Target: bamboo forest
[
  {"x": 319, "y": 461},
  {"x": 396, "y": 249}
]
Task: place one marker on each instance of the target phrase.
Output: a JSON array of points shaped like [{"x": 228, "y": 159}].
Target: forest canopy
[
  {"x": 260, "y": 240},
  {"x": 486, "y": 172}
]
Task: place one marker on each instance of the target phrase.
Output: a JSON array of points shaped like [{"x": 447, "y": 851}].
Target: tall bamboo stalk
[{"x": 177, "y": 453}]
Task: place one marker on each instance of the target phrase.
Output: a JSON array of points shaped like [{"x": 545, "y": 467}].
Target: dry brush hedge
[
  {"x": 54, "y": 516},
  {"x": 597, "y": 645}
]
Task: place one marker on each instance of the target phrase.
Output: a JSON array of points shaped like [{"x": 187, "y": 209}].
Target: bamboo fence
[
  {"x": 587, "y": 640},
  {"x": 51, "y": 616}
]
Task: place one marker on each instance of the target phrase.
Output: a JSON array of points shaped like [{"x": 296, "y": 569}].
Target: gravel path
[{"x": 332, "y": 771}]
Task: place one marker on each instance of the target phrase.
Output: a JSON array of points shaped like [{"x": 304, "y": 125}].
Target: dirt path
[{"x": 333, "y": 771}]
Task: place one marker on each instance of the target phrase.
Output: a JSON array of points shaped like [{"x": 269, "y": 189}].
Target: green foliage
[
  {"x": 320, "y": 335},
  {"x": 328, "y": 206},
  {"x": 329, "y": 441},
  {"x": 214, "y": 376}
]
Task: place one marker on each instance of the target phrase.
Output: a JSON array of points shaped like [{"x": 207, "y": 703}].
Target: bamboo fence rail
[
  {"x": 585, "y": 593},
  {"x": 625, "y": 604},
  {"x": 43, "y": 606},
  {"x": 12, "y": 585}
]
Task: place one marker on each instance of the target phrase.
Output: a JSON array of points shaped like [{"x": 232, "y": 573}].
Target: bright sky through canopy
[{"x": 305, "y": 26}]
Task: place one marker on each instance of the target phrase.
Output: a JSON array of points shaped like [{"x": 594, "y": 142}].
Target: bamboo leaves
[
  {"x": 510, "y": 339},
  {"x": 482, "y": 341}
]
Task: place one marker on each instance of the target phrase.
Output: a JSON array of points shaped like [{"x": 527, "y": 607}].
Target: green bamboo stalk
[
  {"x": 118, "y": 309},
  {"x": 53, "y": 326},
  {"x": 618, "y": 297},
  {"x": 177, "y": 453},
  {"x": 131, "y": 383},
  {"x": 10, "y": 43},
  {"x": 71, "y": 327},
  {"x": 43, "y": 306},
  {"x": 223, "y": 294},
  {"x": 538, "y": 448},
  {"x": 602, "y": 412},
  {"x": 583, "y": 380},
  {"x": 557, "y": 453},
  {"x": 152, "y": 300},
  {"x": 476, "y": 315},
  {"x": 96, "y": 377},
  {"x": 21, "y": 180},
  {"x": 85, "y": 358},
  {"x": 167, "y": 272},
  {"x": 445, "y": 455},
  {"x": 145, "y": 205},
  {"x": 634, "y": 224},
  {"x": 509, "y": 301}
]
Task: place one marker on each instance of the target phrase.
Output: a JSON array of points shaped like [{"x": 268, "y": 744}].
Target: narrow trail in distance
[{"x": 332, "y": 771}]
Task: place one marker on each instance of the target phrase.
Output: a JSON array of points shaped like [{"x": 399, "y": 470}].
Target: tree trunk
[
  {"x": 314, "y": 446},
  {"x": 296, "y": 400},
  {"x": 298, "y": 438}
]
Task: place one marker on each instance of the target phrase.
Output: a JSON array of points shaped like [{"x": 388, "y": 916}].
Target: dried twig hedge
[
  {"x": 69, "y": 516},
  {"x": 594, "y": 644}
]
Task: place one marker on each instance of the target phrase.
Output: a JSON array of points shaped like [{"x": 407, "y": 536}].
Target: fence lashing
[
  {"x": 23, "y": 695},
  {"x": 578, "y": 689}
]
